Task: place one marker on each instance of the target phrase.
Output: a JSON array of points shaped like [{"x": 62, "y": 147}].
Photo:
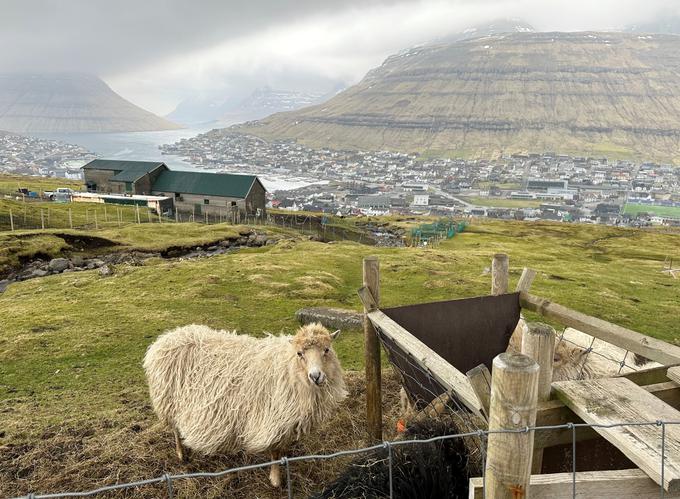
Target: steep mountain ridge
[
  {"x": 586, "y": 93},
  {"x": 69, "y": 102}
]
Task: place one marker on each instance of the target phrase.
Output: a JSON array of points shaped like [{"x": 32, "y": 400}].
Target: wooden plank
[
  {"x": 653, "y": 349},
  {"x": 613, "y": 400},
  {"x": 648, "y": 376},
  {"x": 673, "y": 374},
  {"x": 367, "y": 299},
  {"x": 554, "y": 412},
  {"x": 480, "y": 380},
  {"x": 429, "y": 360},
  {"x": 619, "y": 484}
]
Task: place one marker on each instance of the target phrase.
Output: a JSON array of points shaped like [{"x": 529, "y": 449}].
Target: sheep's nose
[{"x": 316, "y": 376}]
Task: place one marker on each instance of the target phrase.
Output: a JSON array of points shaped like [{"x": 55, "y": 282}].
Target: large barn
[{"x": 192, "y": 191}]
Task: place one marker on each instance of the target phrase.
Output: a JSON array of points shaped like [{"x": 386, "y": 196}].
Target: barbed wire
[{"x": 386, "y": 445}]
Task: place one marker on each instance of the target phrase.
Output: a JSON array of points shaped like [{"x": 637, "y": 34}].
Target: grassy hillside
[
  {"x": 11, "y": 183},
  {"x": 71, "y": 385},
  {"x": 587, "y": 93}
]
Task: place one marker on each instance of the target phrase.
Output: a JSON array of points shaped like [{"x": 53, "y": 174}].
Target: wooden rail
[{"x": 644, "y": 345}]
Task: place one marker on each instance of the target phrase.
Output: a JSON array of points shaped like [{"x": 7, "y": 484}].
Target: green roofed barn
[
  {"x": 201, "y": 192},
  {"x": 192, "y": 191}
]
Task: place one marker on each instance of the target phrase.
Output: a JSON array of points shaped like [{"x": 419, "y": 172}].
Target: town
[
  {"x": 528, "y": 186},
  {"x": 33, "y": 156}
]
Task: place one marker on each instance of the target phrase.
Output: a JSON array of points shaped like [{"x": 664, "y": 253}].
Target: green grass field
[
  {"x": 661, "y": 211},
  {"x": 502, "y": 202},
  {"x": 71, "y": 345},
  {"x": 11, "y": 183}
]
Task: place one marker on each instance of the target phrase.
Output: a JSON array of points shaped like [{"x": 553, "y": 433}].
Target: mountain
[
  {"x": 668, "y": 23},
  {"x": 614, "y": 94},
  {"x": 265, "y": 101},
  {"x": 199, "y": 109},
  {"x": 69, "y": 102},
  {"x": 497, "y": 27},
  {"x": 259, "y": 104}
]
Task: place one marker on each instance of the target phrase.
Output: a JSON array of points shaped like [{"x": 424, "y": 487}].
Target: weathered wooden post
[
  {"x": 11, "y": 219},
  {"x": 176, "y": 216},
  {"x": 371, "y": 281},
  {"x": 96, "y": 225},
  {"x": 148, "y": 214},
  {"x": 538, "y": 342},
  {"x": 70, "y": 218},
  {"x": 514, "y": 390},
  {"x": 525, "y": 280},
  {"x": 160, "y": 217},
  {"x": 42, "y": 218},
  {"x": 500, "y": 274}
]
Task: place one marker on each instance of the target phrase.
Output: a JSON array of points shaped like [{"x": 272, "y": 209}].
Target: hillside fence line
[{"x": 43, "y": 215}]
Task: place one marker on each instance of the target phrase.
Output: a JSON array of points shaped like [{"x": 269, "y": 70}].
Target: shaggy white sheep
[
  {"x": 224, "y": 392},
  {"x": 579, "y": 356}
]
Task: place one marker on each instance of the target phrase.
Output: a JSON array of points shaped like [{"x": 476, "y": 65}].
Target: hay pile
[{"x": 132, "y": 445}]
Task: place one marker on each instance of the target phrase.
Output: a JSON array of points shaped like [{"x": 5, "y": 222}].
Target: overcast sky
[{"x": 157, "y": 52}]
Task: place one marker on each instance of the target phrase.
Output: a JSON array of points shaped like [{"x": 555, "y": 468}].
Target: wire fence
[
  {"x": 169, "y": 480},
  {"x": 42, "y": 214}
]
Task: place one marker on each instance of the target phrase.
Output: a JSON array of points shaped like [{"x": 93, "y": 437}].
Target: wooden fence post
[
  {"x": 96, "y": 225},
  {"x": 525, "y": 280},
  {"x": 160, "y": 217},
  {"x": 176, "y": 216},
  {"x": 139, "y": 220},
  {"x": 11, "y": 219},
  {"x": 538, "y": 342},
  {"x": 120, "y": 217},
  {"x": 70, "y": 218},
  {"x": 500, "y": 274},
  {"x": 371, "y": 280},
  {"x": 514, "y": 389},
  {"x": 42, "y": 218}
]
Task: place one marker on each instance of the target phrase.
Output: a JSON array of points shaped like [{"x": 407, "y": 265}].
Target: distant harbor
[{"x": 145, "y": 146}]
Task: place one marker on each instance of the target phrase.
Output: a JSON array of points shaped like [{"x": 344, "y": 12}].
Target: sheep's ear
[{"x": 335, "y": 334}]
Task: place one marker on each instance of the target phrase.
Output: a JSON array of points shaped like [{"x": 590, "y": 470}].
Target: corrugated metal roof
[
  {"x": 116, "y": 165},
  {"x": 209, "y": 184}
]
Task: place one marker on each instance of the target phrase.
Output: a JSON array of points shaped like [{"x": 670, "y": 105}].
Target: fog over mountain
[{"x": 158, "y": 53}]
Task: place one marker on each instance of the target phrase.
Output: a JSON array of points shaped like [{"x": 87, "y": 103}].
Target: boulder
[
  {"x": 40, "y": 273},
  {"x": 106, "y": 270},
  {"x": 333, "y": 318},
  {"x": 77, "y": 261},
  {"x": 260, "y": 240},
  {"x": 59, "y": 264}
]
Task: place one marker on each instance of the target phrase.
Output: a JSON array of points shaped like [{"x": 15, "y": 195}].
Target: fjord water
[{"x": 144, "y": 146}]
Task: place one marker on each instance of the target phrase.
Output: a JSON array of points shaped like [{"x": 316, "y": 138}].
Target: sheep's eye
[
  {"x": 326, "y": 350},
  {"x": 300, "y": 354}
]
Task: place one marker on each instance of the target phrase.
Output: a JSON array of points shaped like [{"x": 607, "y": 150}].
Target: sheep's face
[{"x": 315, "y": 356}]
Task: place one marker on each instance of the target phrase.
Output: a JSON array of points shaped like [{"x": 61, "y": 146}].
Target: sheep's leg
[
  {"x": 275, "y": 473},
  {"x": 182, "y": 453}
]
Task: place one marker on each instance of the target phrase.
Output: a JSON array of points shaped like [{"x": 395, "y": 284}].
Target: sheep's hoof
[{"x": 275, "y": 478}]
